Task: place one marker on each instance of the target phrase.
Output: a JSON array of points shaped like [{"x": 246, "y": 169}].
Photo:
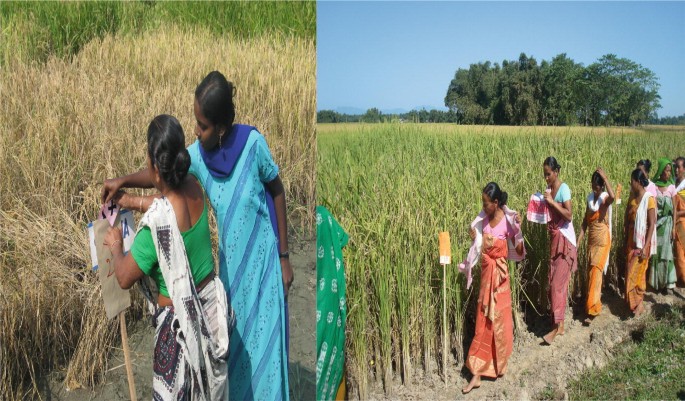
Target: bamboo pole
[{"x": 127, "y": 356}]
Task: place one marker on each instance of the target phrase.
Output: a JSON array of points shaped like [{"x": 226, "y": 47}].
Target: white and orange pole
[{"x": 445, "y": 259}]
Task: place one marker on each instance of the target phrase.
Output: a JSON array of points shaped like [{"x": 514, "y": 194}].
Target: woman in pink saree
[
  {"x": 494, "y": 338},
  {"x": 563, "y": 251}
]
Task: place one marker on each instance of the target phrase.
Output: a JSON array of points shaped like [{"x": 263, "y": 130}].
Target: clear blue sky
[{"x": 404, "y": 54}]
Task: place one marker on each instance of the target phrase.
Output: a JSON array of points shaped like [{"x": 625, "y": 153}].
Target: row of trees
[
  {"x": 374, "y": 115},
  {"x": 679, "y": 120},
  {"x": 611, "y": 91}
]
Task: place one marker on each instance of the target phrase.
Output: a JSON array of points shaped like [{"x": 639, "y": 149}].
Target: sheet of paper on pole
[
  {"x": 115, "y": 298},
  {"x": 127, "y": 232},
  {"x": 91, "y": 244},
  {"x": 445, "y": 249},
  {"x": 127, "y": 228}
]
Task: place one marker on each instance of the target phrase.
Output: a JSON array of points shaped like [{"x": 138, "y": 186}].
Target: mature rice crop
[
  {"x": 34, "y": 31},
  {"x": 393, "y": 187},
  {"x": 68, "y": 123}
]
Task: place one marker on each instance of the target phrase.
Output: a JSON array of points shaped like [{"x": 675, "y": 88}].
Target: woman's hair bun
[{"x": 166, "y": 149}]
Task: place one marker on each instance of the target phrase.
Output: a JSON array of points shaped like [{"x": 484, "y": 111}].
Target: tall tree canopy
[{"x": 611, "y": 91}]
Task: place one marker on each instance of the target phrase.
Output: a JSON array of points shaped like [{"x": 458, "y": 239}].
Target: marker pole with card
[
  {"x": 617, "y": 202},
  {"x": 116, "y": 299},
  {"x": 445, "y": 259}
]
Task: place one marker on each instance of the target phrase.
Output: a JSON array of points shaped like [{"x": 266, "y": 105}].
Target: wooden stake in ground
[
  {"x": 445, "y": 259},
  {"x": 127, "y": 356},
  {"x": 619, "y": 278}
]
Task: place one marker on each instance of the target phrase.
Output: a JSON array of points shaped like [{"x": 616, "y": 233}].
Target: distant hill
[{"x": 353, "y": 111}]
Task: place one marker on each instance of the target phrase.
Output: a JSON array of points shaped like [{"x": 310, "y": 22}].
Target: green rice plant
[
  {"x": 33, "y": 31},
  {"x": 395, "y": 186}
]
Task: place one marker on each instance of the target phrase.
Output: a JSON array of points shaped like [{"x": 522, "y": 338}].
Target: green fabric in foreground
[{"x": 331, "y": 310}]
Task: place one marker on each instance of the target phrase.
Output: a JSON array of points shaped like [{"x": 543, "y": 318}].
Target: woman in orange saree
[
  {"x": 679, "y": 221},
  {"x": 494, "y": 337},
  {"x": 640, "y": 229},
  {"x": 597, "y": 225}
]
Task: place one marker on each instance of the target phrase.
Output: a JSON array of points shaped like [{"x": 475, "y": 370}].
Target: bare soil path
[{"x": 533, "y": 367}]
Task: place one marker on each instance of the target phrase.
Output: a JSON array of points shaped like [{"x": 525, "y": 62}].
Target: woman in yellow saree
[
  {"x": 597, "y": 225},
  {"x": 640, "y": 239}
]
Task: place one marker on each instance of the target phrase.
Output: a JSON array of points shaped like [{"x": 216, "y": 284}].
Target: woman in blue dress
[{"x": 234, "y": 165}]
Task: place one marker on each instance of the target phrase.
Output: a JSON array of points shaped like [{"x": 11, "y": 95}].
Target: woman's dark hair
[
  {"x": 552, "y": 163},
  {"x": 640, "y": 176},
  {"x": 166, "y": 149},
  {"x": 597, "y": 179},
  {"x": 493, "y": 192},
  {"x": 679, "y": 159},
  {"x": 215, "y": 97},
  {"x": 646, "y": 164}
]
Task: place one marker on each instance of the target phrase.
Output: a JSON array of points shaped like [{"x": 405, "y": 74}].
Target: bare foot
[
  {"x": 474, "y": 383},
  {"x": 549, "y": 337},
  {"x": 588, "y": 320},
  {"x": 639, "y": 310},
  {"x": 560, "y": 330}
]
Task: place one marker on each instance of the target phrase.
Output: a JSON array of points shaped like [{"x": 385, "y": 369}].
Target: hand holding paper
[
  {"x": 109, "y": 212},
  {"x": 113, "y": 239}
]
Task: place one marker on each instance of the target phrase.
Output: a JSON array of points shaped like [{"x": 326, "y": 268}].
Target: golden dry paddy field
[
  {"x": 393, "y": 187},
  {"x": 69, "y": 124}
]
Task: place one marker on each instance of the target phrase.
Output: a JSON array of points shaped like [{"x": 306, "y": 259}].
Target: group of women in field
[
  {"x": 217, "y": 337},
  {"x": 654, "y": 232}
]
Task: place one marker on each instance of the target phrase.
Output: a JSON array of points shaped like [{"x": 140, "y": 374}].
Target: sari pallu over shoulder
[
  {"x": 598, "y": 247},
  {"x": 594, "y": 206},
  {"x": 636, "y": 281},
  {"x": 221, "y": 161},
  {"x": 187, "y": 327},
  {"x": 562, "y": 239},
  {"x": 474, "y": 253},
  {"x": 640, "y": 227}
]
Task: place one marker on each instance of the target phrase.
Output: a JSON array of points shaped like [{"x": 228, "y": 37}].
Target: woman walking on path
[
  {"x": 172, "y": 247},
  {"x": 597, "y": 224},
  {"x": 640, "y": 239},
  {"x": 235, "y": 167},
  {"x": 563, "y": 253},
  {"x": 679, "y": 221},
  {"x": 493, "y": 341},
  {"x": 662, "y": 275}
]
